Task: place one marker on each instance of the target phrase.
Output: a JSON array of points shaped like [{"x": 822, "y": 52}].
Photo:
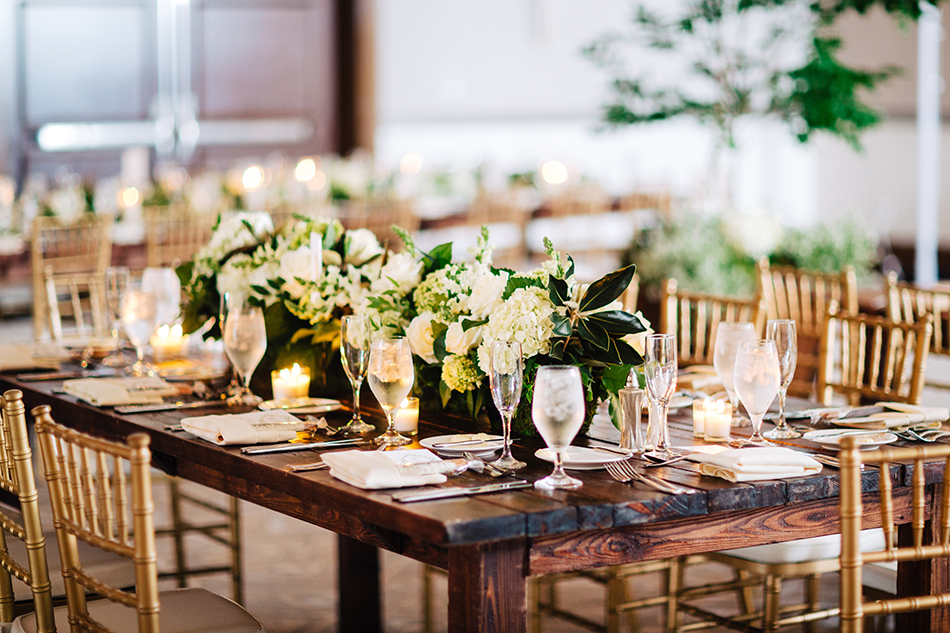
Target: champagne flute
[
  {"x": 757, "y": 380},
  {"x": 390, "y": 378},
  {"x": 783, "y": 332},
  {"x": 245, "y": 341},
  {"x": 660, "y": 368},
  {"x": 164, "y": 284},
  {"x": 234, "y": 387},
  {"x": 118, "y": 280},
  {"x": 506, "y": 377},
  {"x": 728, "y": 337},
  {"x": 557, "y": 410},
  {"x": 354, "y": 342},
  {"x": 139, "y": 319}
]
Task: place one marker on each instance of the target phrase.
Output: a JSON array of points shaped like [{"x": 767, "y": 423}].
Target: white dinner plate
[
  {"x": 832, "y": 438},
  {"x": 581, "y": 457},
  {"x": 489, "y": 443},
  {"x": 300, "y": 406}
]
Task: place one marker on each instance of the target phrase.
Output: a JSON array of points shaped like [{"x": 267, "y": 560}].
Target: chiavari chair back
[
  {"x": 584, "y": 199},
  {"x": 694, "y": 317},
  {"x": 908, "y": 303},
  {"x": 76, "y": 298},
  {"x": 101, "y": 495},
  {"x": 852, "y": 559},
  {"x": 84, "y": 246},
  {"x": 872, "y": 358},
  {"x": 506, "y": 220},
  {"x": 174, "y": 234},
  {"x": 379, "y": 216}
]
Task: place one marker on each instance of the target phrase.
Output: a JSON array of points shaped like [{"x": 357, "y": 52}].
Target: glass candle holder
[
  {"x": 717, "y": 420},
  {"x": 407, "y": 417},
  {"x": 699, "y": 417},
  {"x": 290, "y": 383},
  {"x": 168, "y": 343}
]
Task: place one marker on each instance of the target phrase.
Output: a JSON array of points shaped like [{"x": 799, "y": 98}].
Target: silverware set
[{"x": 625, "y": 472}]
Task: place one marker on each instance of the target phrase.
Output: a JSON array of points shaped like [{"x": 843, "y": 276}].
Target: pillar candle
[
  {"x": 290, "y": 383},
  {"x": 407, "y": 417},
  {"x": 717, "y": 420},
  {"x": 168, "y": 343}
]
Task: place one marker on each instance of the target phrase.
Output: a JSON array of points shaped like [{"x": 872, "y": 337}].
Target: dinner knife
[
  {"x": 303, "y": 446},
  {"x": 447, "y": 493},
  {"x": 169, "y": 406}
]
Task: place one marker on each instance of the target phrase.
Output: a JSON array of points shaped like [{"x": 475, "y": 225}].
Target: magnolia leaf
[
  {"x": 607, "y": 289},
  {"x": 468, "y": 324},
  {"x": 628, "y": 355},
  {"x": 616, "y": 322},
  {"x": 570, "y": 267},
  {"x": 562, "y": 325},
  {"x": 594, "y": 333},
  {"x": 557, "y": 348},
  {"x": 439, "y": 330},
  {"x": 445, "y": 392},
  {"x": 609, "y": 356},
  {"x": 615, "y": 377},
  {"x": 557, "y": 290}
]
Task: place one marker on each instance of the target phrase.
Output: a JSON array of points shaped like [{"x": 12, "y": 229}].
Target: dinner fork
[
  {"x": 624, "y": 476},
  {"x": 629, "y": 468}
]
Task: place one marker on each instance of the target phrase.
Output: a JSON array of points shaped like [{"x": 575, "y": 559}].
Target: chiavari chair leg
[
  {"x": 745, "y": 595},
  {"x": 674, "y": 584},
  {"x": 773, "y": 594},
  {"x": 812, "y": 584}
]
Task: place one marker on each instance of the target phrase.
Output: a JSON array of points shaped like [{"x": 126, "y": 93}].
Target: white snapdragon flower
[
  {"x": 421, "y": 338},
  {"x": 486, "y": 294},
  {"x": 460, "y": 341}
]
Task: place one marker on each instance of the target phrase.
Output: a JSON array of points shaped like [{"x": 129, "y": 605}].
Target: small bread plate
[
  {"x": 831, "y": 438},
  {"x": 581, "y": 457},
  {"x": 676, "y": 402},
  {"x": 300, "y": 406},
  {"x": 476, "y": 443},
  {"x": 186, "y": 370}
]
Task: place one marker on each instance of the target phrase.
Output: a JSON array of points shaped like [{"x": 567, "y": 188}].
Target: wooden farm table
[{"x": 491, "y": 543}]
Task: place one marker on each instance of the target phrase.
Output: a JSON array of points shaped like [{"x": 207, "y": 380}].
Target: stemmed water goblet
[
  {"x": 783, "y": 332},
  {"x": 165, "y": 285},
  {"x": 557, "y": 409},
  {"x": 506, "y": 378},
  {"x": 757, "y": 381},
  {"x": 390, "y": 378},
  {"x": 354, "y": 353},
  {"x": 245, "y": 341},
  {"x": 728, "y": 337},
  {"x": 118, "y": 280},
  {"x": 139, "y": 319},
  {"x": 659, "y": 368}
]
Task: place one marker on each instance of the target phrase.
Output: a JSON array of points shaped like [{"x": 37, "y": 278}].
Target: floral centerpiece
[
  {"x": 459, "y": 308},
  {"x": 305, "y": 277}
]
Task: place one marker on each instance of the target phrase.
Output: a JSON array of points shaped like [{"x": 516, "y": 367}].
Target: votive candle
[
  {"x": 407, "y": 417},
  {"x": 699, "y": 417},
  {"x": 290, "y": 383},
  {"x": 168, "y": 343},
  {"x": 717, "y": 420}
]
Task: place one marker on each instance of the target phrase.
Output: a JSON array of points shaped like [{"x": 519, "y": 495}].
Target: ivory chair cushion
[
  {"x": 880, "y": 576},
  {"x": 182, "y": 611},
  {"x": 804, "y": 550}
]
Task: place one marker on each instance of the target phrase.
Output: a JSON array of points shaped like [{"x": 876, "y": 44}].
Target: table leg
[
  {"x": 487, "y": 588},
  {"x": 359, "y": 597},
  {"x": 922, "y": 578}
]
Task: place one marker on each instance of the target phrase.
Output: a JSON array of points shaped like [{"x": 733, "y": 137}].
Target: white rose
[
  {"x": 401, "y": 272},
  {"x": 420, "y": 337},
  {"x": 361, "y": 245},
  {"x": 459, "y": 341},
  {"x": 332, "y": 258},
  {"x": 486, "y": 294},
  {"x": 294, "y": 264}
]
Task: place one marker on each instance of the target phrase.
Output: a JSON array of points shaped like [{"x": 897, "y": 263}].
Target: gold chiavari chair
[
  {"x": 583, "y": 199},
  {"x": 804, "y": 296},
  {"x": 174, "y": 234},
  {"x": 906, "y": 302},
  {"x": 507, "y": 221},
  {"x": 853, "y": 558},
  {"x": 694, "y": 318},
  {"x": 39, "y": 589},
  {"x": 379, "y": 216},
  {"x": 84, "y": 246},
  {"x": 76, "y": 298},
  {"x": 872, "y": 358},
  {"x": 95, "y": 502}
]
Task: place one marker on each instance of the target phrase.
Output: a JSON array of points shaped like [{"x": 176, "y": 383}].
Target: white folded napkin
[
  {"x": 918, "y": 413},
  {"x": 111, "y": 392},
  {"x": 374, "y": 470},
  {"x": 23, "y": 357},
  {"x": 756, "y": 464},
  {"x": 255, "y": 427},
  {"x": 696, "y": 377}
]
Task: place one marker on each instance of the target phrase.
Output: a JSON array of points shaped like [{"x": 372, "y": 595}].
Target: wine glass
[
  {"x": 757, "y": 380},
  {"x": 234, "y": 387},
  {"x": 728, "y": 337},
  {"x": 354, "y": 337},
  {"x": 390, "y": 378},
  {"x": 660, "y": 368},
  {"x": 118, "y": 280},
  {"x": 783, "y": 332},
  {"x": 165, "y": 285},
  {"x": 245, "y": 341},
  {"x": 139, "y": 321},
  {"x": 557, "y": 409},
  {"x": 506, "y": 377}
]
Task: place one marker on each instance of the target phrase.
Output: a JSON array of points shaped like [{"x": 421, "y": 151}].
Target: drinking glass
[
  {"x": 660, "y": 368},
  {"x": 783, "y": 332},
  {"x": 757, "y": 380},
  {"x": 506, "y": 377},
  {"x": 728, "y": 337},
  {"x": 557, "y": 410},
  {"x": 354, "y": 337},
  {"x": 118, "y": 280},
  {"x": 234, "y": 387},
  {"x": 390, "y": 379},
  {"x": 165, "y": 285},
  {"x": 245, "y": 341},
  {"x": 139, "y": 321}
]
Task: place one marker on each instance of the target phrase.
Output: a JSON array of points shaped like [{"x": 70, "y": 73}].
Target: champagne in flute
[
  {"x": 506, "y": 377},
  {"x": 390, "y": 378},
  {"x": 757, "y": 380},
  {"x": 785, "y": 335},
  {"x": 660, "y": 369},
  {"x": 245, "y": 341},
  {"x": 118, "y": 280},
  {"x": 557, "y": 410},
  {"x": 354, "y": 353},
  {"x": 728, "y": 337},
  {"x": 139, "y": 321}
]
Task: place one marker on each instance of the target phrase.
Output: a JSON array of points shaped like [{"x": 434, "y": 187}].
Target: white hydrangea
[
  {"x": 459, "y": 373},
  {"x": 231, "y": 234},
  {"x": 525, "y": 317},
  {"x": 445, "y": 292}
]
